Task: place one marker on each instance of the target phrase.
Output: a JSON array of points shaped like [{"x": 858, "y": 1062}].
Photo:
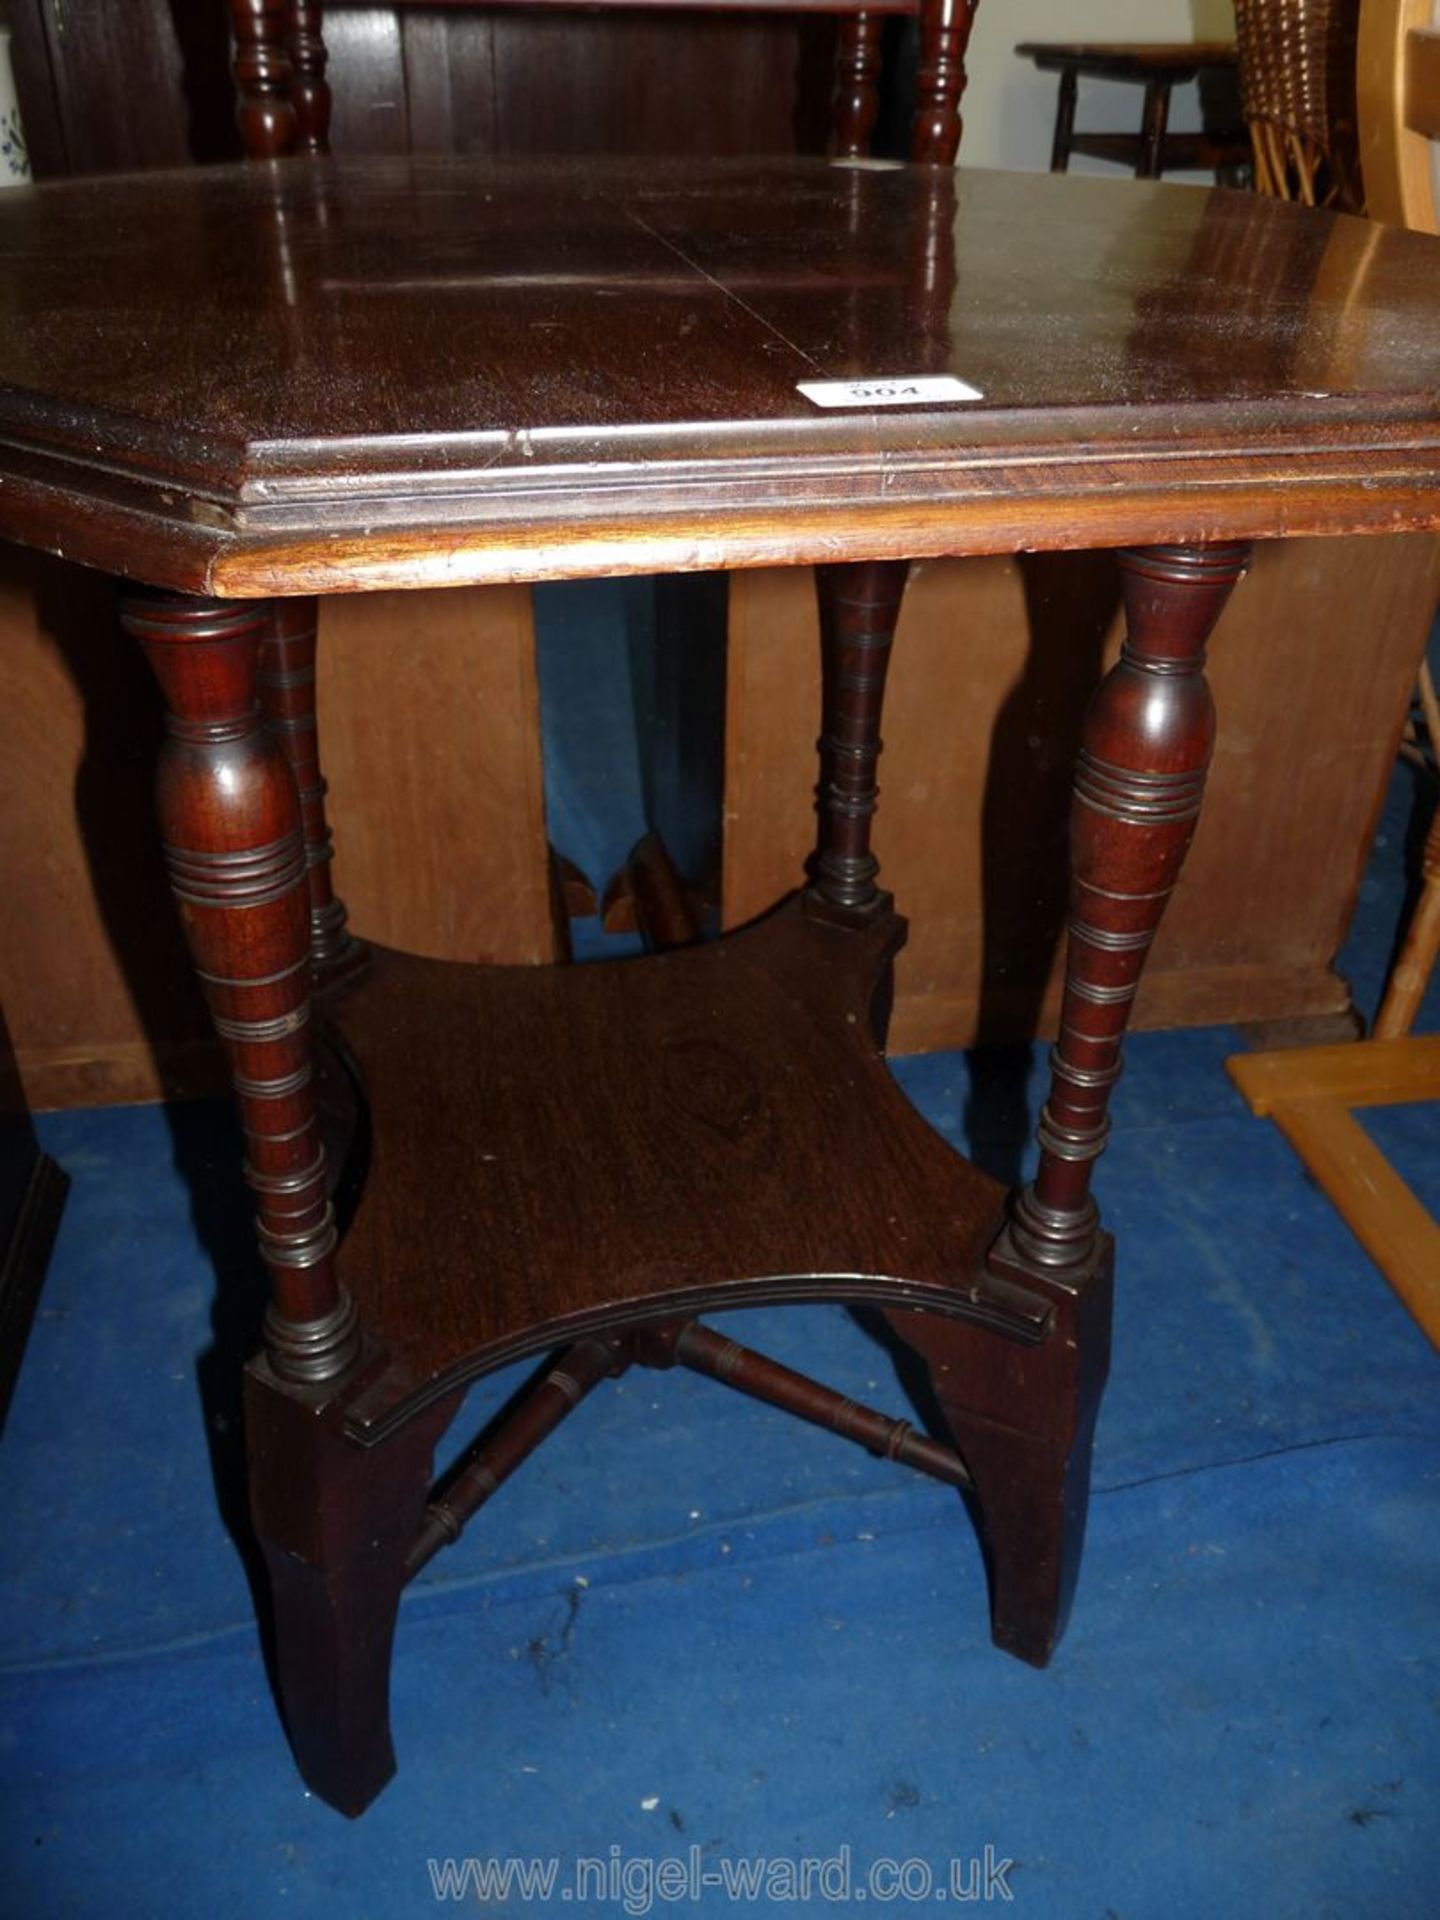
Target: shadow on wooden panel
[{"x": 482, "y": 81}]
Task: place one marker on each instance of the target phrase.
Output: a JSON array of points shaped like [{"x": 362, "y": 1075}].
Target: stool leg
[
  {"x": 336, "y": 1521},
  {"x": 1151, "y": 163},
  {"x": 1064, "y": 121},
  {"x": 859, "y": 609}
]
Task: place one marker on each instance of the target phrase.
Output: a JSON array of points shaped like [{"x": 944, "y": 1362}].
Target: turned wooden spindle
[
  {"x": 287, "y": 698},
  {"x": 575, "y": 1373},
  {"x": 859, "y": 608},
  {"x": 940, "y": 80},
  {"x": 309, "y": 89},
  {"x": 234, "y": 848},
  {"x": 265, "y": 110},
  {"x": 857, "y": 83},
  {"x": 705, "y": 1351},
  {"x": 1139, "y": 780}
]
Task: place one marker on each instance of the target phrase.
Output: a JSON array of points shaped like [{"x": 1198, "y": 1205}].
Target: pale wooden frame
[{"x": 1309, "y": 1093}]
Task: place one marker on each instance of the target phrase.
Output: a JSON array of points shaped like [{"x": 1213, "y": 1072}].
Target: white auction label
[{"x": 916, "y": 391}]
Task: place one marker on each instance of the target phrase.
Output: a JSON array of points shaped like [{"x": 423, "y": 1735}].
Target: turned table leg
[
  {"x": 336, "y": 1520},
  {"x": 859, "y": 611},
  {"x": 234, "y": 847},
  {"x": 1138, "y": 784},
  {"x": 1139, "y": 780}
]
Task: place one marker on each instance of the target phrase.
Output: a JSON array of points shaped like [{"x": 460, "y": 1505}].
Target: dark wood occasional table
[
  {"x": 1158, "y": 67},
  {"x": 235, "y": 388}
]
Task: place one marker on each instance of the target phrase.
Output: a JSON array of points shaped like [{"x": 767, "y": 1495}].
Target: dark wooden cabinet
[
  {"x": 32, "y": 1192},
  {"x": 147, "y": 84}
]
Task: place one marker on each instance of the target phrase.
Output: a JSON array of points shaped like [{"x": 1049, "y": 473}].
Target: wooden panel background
[
  {"x": 508, "y": 82},
  {"x": 994, "y": 660},
  {"x": 147, "y": 84}
]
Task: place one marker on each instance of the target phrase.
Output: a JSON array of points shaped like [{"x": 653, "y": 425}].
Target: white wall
[{"x": 1010, "y": 107}]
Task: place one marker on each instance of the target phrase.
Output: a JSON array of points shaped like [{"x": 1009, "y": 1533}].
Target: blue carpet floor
[{"x": 691, "y": 1630}]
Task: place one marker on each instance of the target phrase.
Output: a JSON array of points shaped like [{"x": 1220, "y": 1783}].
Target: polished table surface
[{"x": 421, "y": 372}]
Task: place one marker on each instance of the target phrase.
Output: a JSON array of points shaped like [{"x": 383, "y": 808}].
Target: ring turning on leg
[
  {"x": 1138, "y": 785},
  {"x": 859, "y": 609},
  {"x": 234, "y": 846}
]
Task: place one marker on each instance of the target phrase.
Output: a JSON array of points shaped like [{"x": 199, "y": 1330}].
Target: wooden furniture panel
[
  {"x": 436, "y": 79},
  {"x": 994, "y": 661},
  {"x": 104, "y": 87},
  {"x": 452, "y": 862},
  {"x": 507, "y": 81},
  {"x": 1398, "y": 82}
]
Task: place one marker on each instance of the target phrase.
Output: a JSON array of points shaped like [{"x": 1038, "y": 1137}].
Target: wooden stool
[{"x": 1157, "y": 68}]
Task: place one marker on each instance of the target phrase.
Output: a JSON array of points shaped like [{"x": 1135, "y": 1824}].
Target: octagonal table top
[{"x": 327, "y": 376}]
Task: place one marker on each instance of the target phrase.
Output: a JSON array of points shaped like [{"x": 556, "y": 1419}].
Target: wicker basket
[{"x": 1297, "y": 85}]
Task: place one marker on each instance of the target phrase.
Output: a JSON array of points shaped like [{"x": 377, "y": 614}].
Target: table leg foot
[
  {"x": 1032, "y": 1499},
  {"x": 336, "y": 1522},
  {"x": 1022, "y": 1419}
]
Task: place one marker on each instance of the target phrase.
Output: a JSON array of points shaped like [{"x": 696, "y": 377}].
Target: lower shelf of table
[{"x": 556, "y": 1151}]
